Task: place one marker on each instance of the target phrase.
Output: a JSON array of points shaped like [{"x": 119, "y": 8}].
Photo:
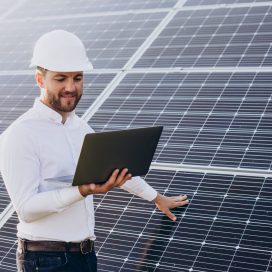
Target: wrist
[{"x": 156, "y": 199}]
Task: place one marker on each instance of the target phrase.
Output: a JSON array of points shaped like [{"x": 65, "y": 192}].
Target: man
[{"x": 56, "y": 224}]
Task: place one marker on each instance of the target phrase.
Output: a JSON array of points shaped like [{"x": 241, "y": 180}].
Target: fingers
[
  {"x": 170, "y": 215},
  {"x": 116, "y": 179},
  {"x": 178, "y": 198},
  {"x": 165, "y": 203},
  {"x": 123, "y": 177},
  {"x": 178, "y": 201}
]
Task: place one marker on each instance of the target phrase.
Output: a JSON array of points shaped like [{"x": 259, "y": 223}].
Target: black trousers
[{"x": 56, "y": 261}]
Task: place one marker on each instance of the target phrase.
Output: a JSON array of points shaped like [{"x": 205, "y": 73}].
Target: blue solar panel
[
  {"x": 211, "y": 117},
  {"x": 32, "y": 8},
  {"x": 5, "y": 200},
  {"x": 8, "y": 245},
  {"x": 110, "y": 40},
  {"x": 227, "y": 221},
  {"x": 219, "y": 2},
  {"x": 216, "y": 37},
  {"x": 219, "y": 119}
]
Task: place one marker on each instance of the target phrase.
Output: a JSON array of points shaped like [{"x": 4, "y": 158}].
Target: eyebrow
[{"x": 63, "y": 75}]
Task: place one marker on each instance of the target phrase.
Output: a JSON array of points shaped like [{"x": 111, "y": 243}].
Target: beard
[{"x": 60, "y": 104}]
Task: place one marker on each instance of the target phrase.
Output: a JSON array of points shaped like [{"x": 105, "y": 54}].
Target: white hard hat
[{"x": 60, "y": 51}]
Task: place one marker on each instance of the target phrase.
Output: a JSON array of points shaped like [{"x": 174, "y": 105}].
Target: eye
[
  {"x": 60, "y": 79},
  {"x": 79, "y": 78}
]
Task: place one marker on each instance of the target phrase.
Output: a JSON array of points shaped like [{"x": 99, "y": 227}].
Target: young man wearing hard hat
[{"x": 56, "y": 224}]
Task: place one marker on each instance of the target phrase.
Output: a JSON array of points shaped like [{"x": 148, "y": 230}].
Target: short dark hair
[{"x": 42, "y": 70}]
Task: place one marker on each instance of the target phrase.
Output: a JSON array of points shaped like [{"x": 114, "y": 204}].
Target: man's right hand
[{"x": 115, "y": 180}]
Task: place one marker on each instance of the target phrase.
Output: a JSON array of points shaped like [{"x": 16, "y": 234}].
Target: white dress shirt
[{"x": 37, "y": 146}]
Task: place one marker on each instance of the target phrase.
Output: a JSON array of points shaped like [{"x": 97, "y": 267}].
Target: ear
[{"x": 39, "y": 79}]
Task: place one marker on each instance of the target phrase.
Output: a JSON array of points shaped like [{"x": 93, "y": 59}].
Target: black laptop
[{"x": 103, "y": 152}]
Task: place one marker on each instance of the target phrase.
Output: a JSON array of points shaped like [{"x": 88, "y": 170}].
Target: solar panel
[
  {"x": 5, "y": 200},
  {"x": 227, "y": 222},
  {"x": 219, "y": 2},
  {"x": 211, "y": 234},
  {"x": 215, "y": 114},
  {"x": 110, "y": 40},
  {"x": 33, "y": 8},
  {"x": 8, "y": 245},
  {"x": 5, "y": 7},
  {"x": 214, "y": 37},
  {"x": 218, "y": 119}
]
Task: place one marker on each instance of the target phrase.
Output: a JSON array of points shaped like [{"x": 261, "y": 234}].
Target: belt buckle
[{"x": 86, "y": 243}]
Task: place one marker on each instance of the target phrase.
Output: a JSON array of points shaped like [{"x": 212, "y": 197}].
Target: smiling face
[{"x": 62, "y": 90}]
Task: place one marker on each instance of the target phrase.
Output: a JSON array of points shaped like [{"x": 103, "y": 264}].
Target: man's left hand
[{"x": 165, "y": 203}]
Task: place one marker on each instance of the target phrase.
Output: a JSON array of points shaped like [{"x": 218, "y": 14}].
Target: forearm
[
  {"x": 139, "y": 187},
  {"x": 45, "y": 203}
]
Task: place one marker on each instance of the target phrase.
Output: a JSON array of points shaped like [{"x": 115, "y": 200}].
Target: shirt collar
[{"x": 49, "y": 113}]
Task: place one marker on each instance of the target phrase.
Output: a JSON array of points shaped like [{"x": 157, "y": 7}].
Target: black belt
[{"x": 82, "y": 247}]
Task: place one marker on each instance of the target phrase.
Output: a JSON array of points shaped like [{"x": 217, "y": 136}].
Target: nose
[{"x": 70, "y": 85}]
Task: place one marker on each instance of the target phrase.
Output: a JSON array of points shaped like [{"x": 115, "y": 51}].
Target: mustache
[{"x": 67, "y": 93}]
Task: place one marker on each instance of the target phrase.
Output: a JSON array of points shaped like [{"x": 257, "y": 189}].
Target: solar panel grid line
[
  {"x": 238, "y": 246},
  {"x": 219, "y": 145},
  {"x": 122, "y": 232},
  {"x": 56, "y": 8},
  {"x": 5, "y": 200},
  {"x": 153, "y": 70},
  {"x": 190, "y": 103},
  {"x": 202, "y": 45},
  {"x": 133, "y": 218},
  {"x": 6, "y": 254},
  {"x": 128, "y": 259},
  {"x": 140, "y": 110},
  {"x": 252, "y": 39},
  {"x": 133, "y": 233},
  {"x": 231, "y": 133},
  {"x": 148, "y": 221},
  {"x": 269, "y": 265},
  {"x": 112, "y": 229},
  {"x": 208, "y": 41},
  {"x": 11, "y": 9},
  {"x": 6, "y": 214},
  {"x": 100, "y": 255},
  {"x": 105, "y": 36},
  {"x": 204, "y": 122},
  {"x": 31, "y": 72},
  {"x": 8, "y": 240},
  {"x": 227, "y": 5},
  {"x": 90, "y": 15},
  {"x": 233, "y": 35},
  {"x": 180, "y": 6},
  {"x": 89, "y": 113},
  {"x": 185, "y": 213},
  {"x": 204, "y": 241},
  {"x": 207, "y": 193},
  {"x": 167, "y": 70},
  {"x": 103, "y": 96},
  {"x": 16, "y": 72},
  {"x": 252, "y": 136}
]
